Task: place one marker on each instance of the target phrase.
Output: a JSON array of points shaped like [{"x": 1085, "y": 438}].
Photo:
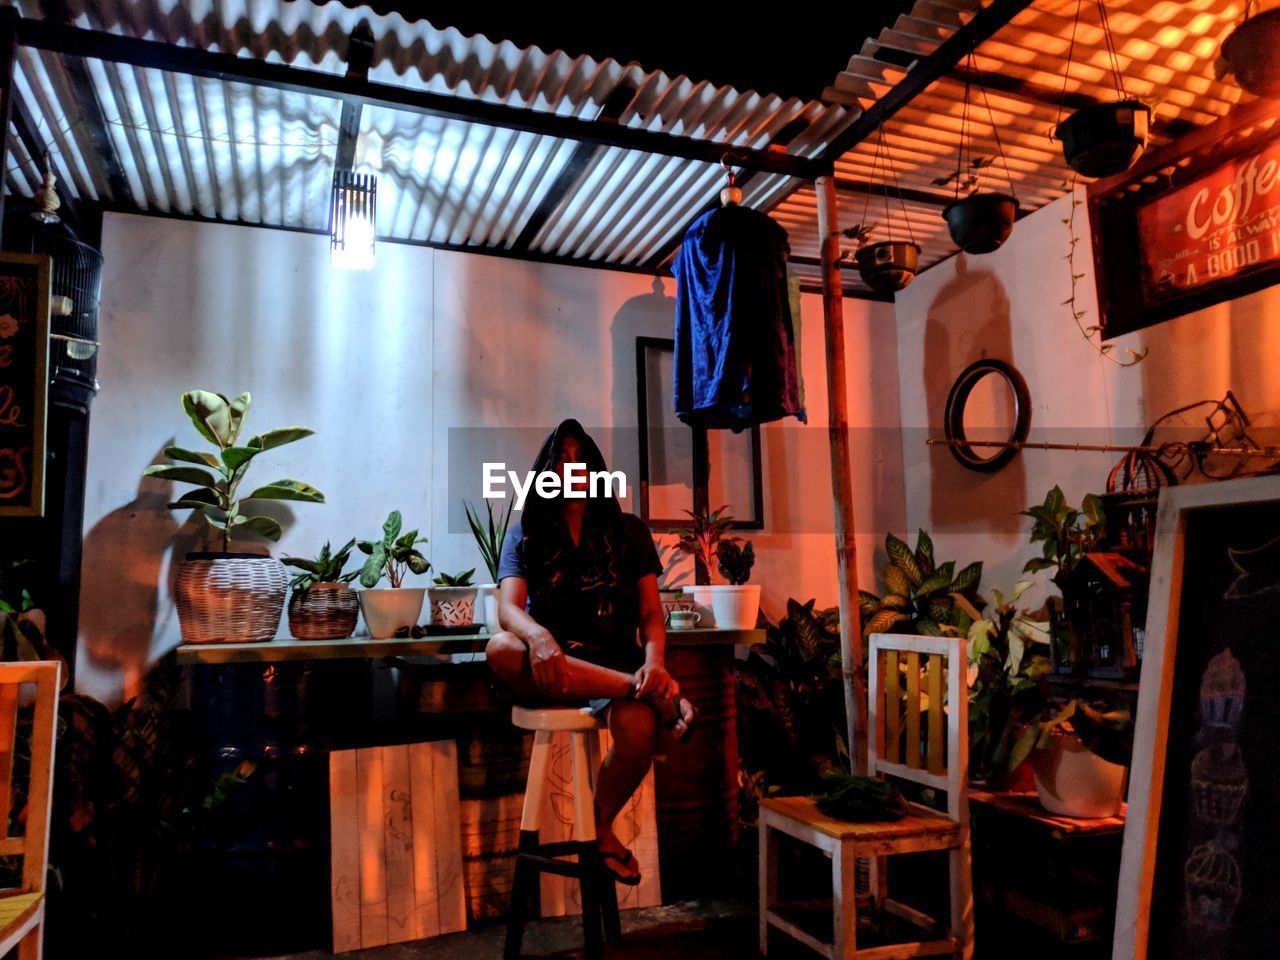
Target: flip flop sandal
[{"x": 625, "y": 858}]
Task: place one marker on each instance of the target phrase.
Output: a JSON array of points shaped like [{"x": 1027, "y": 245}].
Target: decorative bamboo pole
[{"x": 855, "y": 686}]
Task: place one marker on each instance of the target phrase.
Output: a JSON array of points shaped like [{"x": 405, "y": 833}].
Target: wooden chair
[
  {"x": 22, "y": 910},
  {"x": 934, "y": 730}
]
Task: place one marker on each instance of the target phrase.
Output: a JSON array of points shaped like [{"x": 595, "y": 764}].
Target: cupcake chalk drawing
[
  {"x": 1222, "y": 692},
  {"x": 1212, "y": 886},
  {"x": 1219, "y": 783}
]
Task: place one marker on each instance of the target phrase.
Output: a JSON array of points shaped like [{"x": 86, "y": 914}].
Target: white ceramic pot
[
  {"x": 726, "y": 606},
  {"x": 452, "y": 606},
  {"x": 1073, "y": 781},
  {"x": 389, "y": 609},
  {"x": 488, "y": 601}
]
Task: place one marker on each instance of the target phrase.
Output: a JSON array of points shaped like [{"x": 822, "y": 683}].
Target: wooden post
[{"x": 855, "y": 690}]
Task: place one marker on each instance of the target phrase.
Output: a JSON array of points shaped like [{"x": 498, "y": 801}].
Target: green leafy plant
[
  {"x": 1064, "y": 532},
  {"x": 1008, "y": 690},
  {"x": 702, "y": 538},
  {"x": 327, "y": 567},
  {"x": 791, "y": 703},
  {"x": 217, "y": 476},
  {"x": 393, "y": 555},
  {"x": 490, "y": 535},
  {"x": 1104, "y": 724},
  {"x": 455, "y": 579},
  {"x": 921, "y": 596},
  {"x": 735, "y": 562},
  {"x": 16, "y": 578}
]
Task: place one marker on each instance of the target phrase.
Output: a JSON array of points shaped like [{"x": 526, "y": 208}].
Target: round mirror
[{"x": 988, "y": 402}]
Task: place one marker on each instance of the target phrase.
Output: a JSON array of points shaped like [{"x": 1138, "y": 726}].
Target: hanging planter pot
[
  {"x": 889, "y": 266},
  {"x": 1252, "y": 54},
  {"x": 1104, "y": 139},
  {"x": 981, "y": 222}
]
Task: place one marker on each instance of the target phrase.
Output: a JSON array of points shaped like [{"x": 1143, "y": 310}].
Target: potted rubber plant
[
  {"x": 396, "y": 607},
  {"x": 732, "y": 605},
  {"x": 453, "y": 599},
  {"x": 226, "y": 597},
  {"x": 321, "y": 605},
  {"x": 489, "y": 538}
]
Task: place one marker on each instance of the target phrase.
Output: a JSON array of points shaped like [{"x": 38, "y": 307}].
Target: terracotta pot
[
  {"x": 1074, "y": 781},
  {"x": 452, "y": 606},
  {"x": 889, "y": 266},
  {"x": 388, "y": 610},
  {"x": 1253, "y": 52},
  {"x": 981, "y": 222},
  {"x": 229, "y": 597},
  {"x": 327, "y": 611},
  {"x": 1104, "y": 139}
]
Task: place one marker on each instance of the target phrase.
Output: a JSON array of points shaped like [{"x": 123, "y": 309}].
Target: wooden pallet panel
[{"x": 396, "y": 844}]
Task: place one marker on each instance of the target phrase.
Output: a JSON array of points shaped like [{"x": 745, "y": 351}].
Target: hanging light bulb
[
  {"x": 353, "y": 218},
  {"x": 47, "y": 200}
]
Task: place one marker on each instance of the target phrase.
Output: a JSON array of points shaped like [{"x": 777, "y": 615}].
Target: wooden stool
[{"x": 599, "y": 895}]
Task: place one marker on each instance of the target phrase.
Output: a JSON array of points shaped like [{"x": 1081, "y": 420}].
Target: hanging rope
[
  {"x": 995, "y": 127},
  {"x": 1111, "y": 51},
  {"x": 1066, "y": 73}
]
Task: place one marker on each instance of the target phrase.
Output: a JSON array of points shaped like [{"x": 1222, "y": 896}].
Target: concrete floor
[{"x": 700, "y": 928}]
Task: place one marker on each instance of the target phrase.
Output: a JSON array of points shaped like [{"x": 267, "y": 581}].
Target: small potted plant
[
  {"x": 225, "y": 597},
  {"x": 1081, "y": 756},
  {"x": 453, "y": 599},
  {"x": 733, "y": 605},
  {"x": 489, "y": 538},
  {"x": 671, "y": 581},
  {"x": 1104, "y": 139},
  {"x": 322, "y": 606},
  {"x": 387, "y": 610},
  {"x": 886, "y": 266}
]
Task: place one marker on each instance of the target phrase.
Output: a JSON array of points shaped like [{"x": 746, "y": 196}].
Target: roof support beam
[
  {"x": 984, "y": 25},
  {"x": 74, "y": 41},
  {"x": 359, "y": 57},
  {"x": 583, "y": 154},
  {"x": 82, "y": 89}
]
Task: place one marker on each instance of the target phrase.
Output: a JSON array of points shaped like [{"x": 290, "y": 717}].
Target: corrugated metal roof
[
  {"x": 236, "y": 152},
  {"x": 232, "y": 151},
  {"x": 1165, "y": 49}
]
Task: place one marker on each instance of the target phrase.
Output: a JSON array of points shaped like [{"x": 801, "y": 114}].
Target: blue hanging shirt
[{"x": 735, "y": 354}]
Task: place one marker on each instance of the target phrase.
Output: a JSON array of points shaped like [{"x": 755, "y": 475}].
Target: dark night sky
[{"x": 789, "y": 49}]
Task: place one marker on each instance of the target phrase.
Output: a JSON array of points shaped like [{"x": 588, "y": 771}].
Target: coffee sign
[
  {"x": 1222, "y": 226},
  {"x": 24, "y": 377}
]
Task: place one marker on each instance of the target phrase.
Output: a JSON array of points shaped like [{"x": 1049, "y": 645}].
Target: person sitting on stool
[{"x": 577, "y": 579}]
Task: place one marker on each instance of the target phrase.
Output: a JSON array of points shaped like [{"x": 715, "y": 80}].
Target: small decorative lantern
[{"x": 353, "y": 218}]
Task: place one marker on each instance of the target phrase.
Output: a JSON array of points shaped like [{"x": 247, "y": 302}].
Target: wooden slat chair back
[
  {"x": 926, "y": 742},
  {"x": 922, "y": 736},
  {"x": 22, "y": 908}
]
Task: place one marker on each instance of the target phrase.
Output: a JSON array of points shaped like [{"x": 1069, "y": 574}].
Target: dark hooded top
[{"x": 586, "y": 595}]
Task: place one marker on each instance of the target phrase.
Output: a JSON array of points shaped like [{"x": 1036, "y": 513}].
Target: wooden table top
[
  {"x": 1028, "y": 805},
  {"x": 364, "y": 647}
]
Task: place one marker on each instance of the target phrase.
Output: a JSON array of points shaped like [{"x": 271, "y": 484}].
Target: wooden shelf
[{"x": 364, "y": 647}]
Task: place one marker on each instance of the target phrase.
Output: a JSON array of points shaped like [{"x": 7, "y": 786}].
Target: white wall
[
  {"x": 1008, "y": 305},
  {"x": 382, "y": 365}
]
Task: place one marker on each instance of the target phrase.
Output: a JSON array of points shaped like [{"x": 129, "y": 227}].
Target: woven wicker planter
[
  {"x": 229, "y": 597},
  {"x": 328, "y": 611}
]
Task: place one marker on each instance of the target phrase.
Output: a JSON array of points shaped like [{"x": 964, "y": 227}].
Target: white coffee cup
[{"x": 683, "y": 619}]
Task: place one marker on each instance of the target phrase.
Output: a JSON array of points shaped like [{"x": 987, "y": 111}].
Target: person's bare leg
[
  {"x": 508, "y": 657},
  {"x": 633, "y": 727}
]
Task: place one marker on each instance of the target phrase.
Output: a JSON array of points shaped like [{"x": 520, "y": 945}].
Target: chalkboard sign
[
  {"x": 1200, "y": 878},
  {"x": 24, "y": 377}
]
